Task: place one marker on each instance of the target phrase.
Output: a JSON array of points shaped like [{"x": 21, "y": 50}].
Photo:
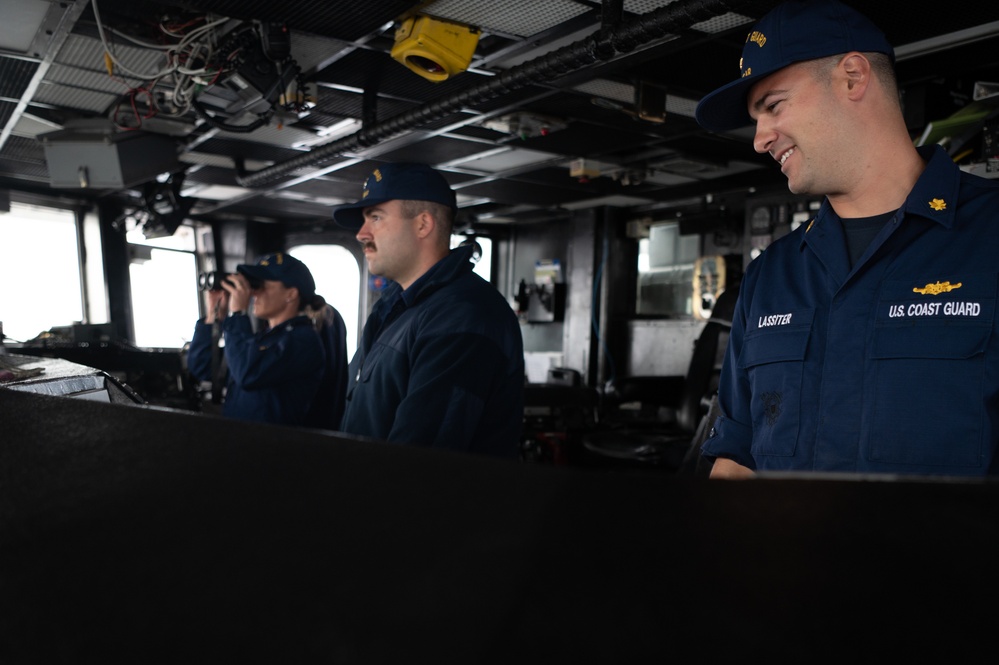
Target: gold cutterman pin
[{"x": 937, "y": 289}]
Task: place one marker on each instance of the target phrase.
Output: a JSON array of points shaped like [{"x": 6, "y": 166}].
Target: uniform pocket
[
  {"x": 774, "y": 360},
  {"x": 928, "y": 360},
  {"x": 929, "y": 408}
]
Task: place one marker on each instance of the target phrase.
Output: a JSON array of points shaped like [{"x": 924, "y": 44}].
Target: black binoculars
[{"x": 212, "y": 281}]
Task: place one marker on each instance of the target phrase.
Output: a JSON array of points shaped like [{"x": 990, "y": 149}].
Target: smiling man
[
  {"x": 441, "y": 359},
  {"x": 865, "y": 340}
]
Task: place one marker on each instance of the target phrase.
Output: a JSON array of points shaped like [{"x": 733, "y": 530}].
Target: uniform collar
[
  {"x": 445, "y": 271},
  {"x": 297, "y": 320},
  {"x": 934, "y": 196}
]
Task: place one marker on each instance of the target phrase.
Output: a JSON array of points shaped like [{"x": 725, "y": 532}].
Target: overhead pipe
[
  {"x": 611, "y": 13},
  {"x": 601, "y": 47}
]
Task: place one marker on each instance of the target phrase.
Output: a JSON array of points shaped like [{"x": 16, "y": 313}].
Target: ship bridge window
[
  {"x": 164, "y": 276},
  {"x": 40, "y": 282},
  {"x": 338, "y": 280},
  {"x": 666, "y": 272}
]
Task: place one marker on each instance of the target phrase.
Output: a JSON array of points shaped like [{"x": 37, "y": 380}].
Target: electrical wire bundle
[
  {"x": 191, "y": 62},
  {"x": 198, "y": 53}
]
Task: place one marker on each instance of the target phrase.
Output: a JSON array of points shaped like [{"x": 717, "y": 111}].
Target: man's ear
[
  {"x": 425, "y": 224},
  {"x": 293, "y": 294},
  {"x": 855, "y": 69}
]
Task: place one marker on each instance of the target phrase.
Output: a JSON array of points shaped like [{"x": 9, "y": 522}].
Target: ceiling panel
[
  {"x": 15, "y": 75},
  {"x": 314, "y": 133}
]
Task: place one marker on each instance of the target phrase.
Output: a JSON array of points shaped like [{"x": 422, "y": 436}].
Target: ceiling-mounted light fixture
[{"x": 434, "y": 49}]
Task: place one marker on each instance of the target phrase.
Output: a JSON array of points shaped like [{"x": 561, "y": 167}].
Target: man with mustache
[{"x": 441, "y": 359}]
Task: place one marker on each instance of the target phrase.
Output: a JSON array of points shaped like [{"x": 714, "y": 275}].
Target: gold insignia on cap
[
  {"x": 757, "y": 38},
  {"x": 377, "y": 175},
  {"x": 280, "y": 258},
  {"x": 938, "y": 204},
  {"x": 937, "y": 289}
]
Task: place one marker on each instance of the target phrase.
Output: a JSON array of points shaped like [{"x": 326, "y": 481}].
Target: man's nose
[
  {"x": 764, "y": 137},
  {"x": 363, "y": 233}
]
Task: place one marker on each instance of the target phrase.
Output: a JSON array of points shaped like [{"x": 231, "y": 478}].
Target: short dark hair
[
  {"x": 884, "y": 69},
  {"x": 881, "y": 65},
  {"x": 442, "y": 214}
]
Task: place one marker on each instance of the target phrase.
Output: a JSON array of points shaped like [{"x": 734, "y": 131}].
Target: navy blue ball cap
[
  {"x": 283, "y": 268},
  {"x": 792, "y": 32},
  {"x": 403, "y": 182}
]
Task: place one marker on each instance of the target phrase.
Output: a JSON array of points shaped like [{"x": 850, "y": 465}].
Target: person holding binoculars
[{"x": 275, "y": 375}]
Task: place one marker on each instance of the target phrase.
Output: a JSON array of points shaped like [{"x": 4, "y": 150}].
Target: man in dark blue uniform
[
  {"x": 441, "y": 359},
  {"x": 865, "y": 340}
]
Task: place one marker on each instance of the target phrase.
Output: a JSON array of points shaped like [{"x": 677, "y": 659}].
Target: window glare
[
  {"x": 40, "y": 272},
  {"x": 338, "y": 280},
  {"x": 164, "y": 299},
  {"x": 97, "y": 294}
]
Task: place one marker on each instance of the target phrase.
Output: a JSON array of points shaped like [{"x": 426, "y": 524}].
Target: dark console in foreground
[{"x": 139, "y": 534}]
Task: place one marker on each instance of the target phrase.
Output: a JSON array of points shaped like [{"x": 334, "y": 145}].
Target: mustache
[{"x": 367, "y": 245}]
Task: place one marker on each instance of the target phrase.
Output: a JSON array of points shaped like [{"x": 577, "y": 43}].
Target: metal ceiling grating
[
  {"x": 680, "y": 106},
  {"x": 310, "y": 51},
  {"x": 247, "y": 150},
  {"x": 6, "y": 111},
  {"x": 15, "y": 76},
  {"x": 645, "y": 6},
  {"x": 722, "y": 23},
  {"x": 349, "y": 104},
  {"x": 326, "y": 188},
  {"x": 527, "y": 193},
  {"x": 23, "y": 169},
  {"x": 65, "y": 96},
  {"x": 450, "y": 120},
  {"x": 514, "y": 97},
  {"x": 436, "y": 150},
  {"x": 521, "y": 18},
  {"x": 713, "y": 26},
  {"x": 622, "y": 92},
  {"x": 24, "y": 149},
  {"x": 85, "y": 79},
  {"x": 87, "y": 53},
  {"x": 342, "y": 20}
]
